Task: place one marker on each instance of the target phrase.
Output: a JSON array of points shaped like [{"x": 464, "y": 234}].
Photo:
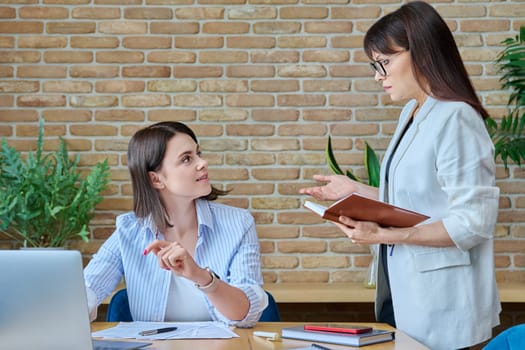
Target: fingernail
[{"x": 145, "y": 252}]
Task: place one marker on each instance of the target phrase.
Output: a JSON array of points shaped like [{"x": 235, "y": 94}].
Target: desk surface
[{"x": 247, "y": 341}]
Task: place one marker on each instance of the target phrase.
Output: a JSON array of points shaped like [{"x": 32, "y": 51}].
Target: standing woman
[
  {"x": 183, "y": 257},
  {"x": 436, "y": 281}
]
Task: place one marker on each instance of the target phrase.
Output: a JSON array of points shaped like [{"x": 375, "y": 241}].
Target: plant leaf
[
  {"x": 332, "y": 162},
  {"x": 372, "y": 166}
]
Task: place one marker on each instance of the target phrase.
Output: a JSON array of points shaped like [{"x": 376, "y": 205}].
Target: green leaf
[
  {"x": 508, "y": 138},
  {"x": 332, "y": 162},
  {"x": 371, "y": 163},
  {"x": 372, "y": 166},
  {"x": 352, "y": 176}
]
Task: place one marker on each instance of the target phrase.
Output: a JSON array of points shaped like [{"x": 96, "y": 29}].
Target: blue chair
[
  {"x": 271, "y": 313},
  {"x": 118, "y": 309},
  {"x": 512, "y": 338}
]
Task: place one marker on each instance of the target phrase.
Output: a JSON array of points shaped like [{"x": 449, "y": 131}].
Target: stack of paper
[{"x": 185, "y": 330}]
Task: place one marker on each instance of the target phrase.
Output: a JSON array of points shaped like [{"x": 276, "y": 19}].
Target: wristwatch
[{"x": 210, "y": 287}]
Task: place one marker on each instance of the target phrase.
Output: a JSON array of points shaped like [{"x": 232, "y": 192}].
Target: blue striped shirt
[{"x": 227, "y": 243}]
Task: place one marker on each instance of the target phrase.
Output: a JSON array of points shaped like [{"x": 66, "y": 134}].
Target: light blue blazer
[{"x": 446, "y": 298}]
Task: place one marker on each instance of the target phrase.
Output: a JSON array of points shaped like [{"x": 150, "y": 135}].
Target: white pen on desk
[
  {"x": 157, "y": 331},
  {"x": 268, "y": 335}
]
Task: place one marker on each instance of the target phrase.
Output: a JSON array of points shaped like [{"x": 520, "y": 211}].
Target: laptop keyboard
[{"x": 103, "y": 344}]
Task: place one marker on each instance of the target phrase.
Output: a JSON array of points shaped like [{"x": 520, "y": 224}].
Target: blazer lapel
[{"x": 405, "y": 143}]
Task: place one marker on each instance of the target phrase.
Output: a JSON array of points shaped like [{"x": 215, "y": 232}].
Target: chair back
[
  {"x": 118, "y": 308},
  {"x": 271, "y": 313},
  {"x": 512, "y": 338}
]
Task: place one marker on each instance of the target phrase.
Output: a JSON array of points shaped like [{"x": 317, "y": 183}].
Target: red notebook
[{"x": 338, "y": 328}]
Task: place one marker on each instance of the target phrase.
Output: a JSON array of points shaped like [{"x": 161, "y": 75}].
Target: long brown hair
[
  {"x": 146, "y": 151},
  {"x": 418, "y": 28}
]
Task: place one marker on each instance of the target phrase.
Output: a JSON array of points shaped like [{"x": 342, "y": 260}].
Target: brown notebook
[{"x": 362, "y": 208}]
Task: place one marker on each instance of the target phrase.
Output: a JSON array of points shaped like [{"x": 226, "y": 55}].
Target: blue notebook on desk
[{"x": 43, "y": 303}]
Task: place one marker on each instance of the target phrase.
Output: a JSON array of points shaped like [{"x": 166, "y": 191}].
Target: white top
[{"x": 186, "y": 302}]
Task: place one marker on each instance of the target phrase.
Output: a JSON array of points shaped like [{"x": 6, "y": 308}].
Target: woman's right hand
[
  {"x": 174, "y": 257},
  {"x": 336, "y": 187}
]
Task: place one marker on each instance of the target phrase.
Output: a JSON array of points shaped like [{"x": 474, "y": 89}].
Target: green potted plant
[
  {"x": 372, "y": 166},
  {"x": 44, "y": 199},
  {"x": 508, "y": 138},
  {"x": 371, "y": 162}
]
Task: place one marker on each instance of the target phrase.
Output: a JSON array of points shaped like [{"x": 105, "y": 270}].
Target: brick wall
[{"x": 262, "y": 82}]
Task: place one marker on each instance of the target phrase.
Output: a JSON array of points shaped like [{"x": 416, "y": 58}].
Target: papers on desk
[{"x": 185, "y": 330}]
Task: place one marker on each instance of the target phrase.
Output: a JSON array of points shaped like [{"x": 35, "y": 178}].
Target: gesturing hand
[
  {"x": 336, "y": 187},
  {"x": 173, "y": 256}
]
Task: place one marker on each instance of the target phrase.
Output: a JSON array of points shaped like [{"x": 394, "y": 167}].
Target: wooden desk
[{"x": 247, "y": 341}]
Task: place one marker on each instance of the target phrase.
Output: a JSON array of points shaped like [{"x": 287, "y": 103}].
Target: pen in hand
[{"x": 157, "y": 331}]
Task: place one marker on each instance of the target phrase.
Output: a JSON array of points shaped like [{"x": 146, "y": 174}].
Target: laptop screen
[{"x": 43, "y": 301}]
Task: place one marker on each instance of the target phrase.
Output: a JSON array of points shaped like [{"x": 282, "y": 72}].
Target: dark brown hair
[
  {"x": 418, "y": 28},
  {"x": 146, "y": 151}
]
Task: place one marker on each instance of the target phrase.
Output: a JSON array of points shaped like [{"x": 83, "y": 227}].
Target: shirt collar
[{"x": 204, "y": 215}]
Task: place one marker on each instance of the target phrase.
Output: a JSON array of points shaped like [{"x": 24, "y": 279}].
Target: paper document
[{"x": 185, "y": 330}]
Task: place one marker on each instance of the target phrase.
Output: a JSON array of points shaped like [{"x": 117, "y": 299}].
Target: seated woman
[{"x": 183, "y": 256}]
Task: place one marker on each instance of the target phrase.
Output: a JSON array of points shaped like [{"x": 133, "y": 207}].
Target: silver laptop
[{"x": 43, "y": 303}]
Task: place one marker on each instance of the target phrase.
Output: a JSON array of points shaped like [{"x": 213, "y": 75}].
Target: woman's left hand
[{"x": 360, "y": 232}]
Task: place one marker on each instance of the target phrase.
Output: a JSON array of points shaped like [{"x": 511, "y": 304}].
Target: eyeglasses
[{"x": 379, "y": 65}]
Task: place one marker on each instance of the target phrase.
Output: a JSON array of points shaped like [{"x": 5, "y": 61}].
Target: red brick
[
  {"x": 145, "y": 42},
  {"x": 225, "y": 28},
  {"x": 148, "y": 13},
  {"x": 7, "y": 42},
  {"x": 19, "y": 56},
  {"x": 44, "y": 12},
  {"x": 199, "y": 13},
  {"x": 21, "y": 27},
  {"x": 174, "y": 28},
  {"x": 96, "y": 13},
  {"x": 70, "y": 27},
  {"x": 68, "y": 57},
  {"x": 94, "y": 42}
]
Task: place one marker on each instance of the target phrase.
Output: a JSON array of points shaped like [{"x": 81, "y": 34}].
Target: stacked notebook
[{"x": 371, "y": 336}]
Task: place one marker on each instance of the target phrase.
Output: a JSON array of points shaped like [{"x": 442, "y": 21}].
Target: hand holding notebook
[{"x": 361, "y": 208}]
